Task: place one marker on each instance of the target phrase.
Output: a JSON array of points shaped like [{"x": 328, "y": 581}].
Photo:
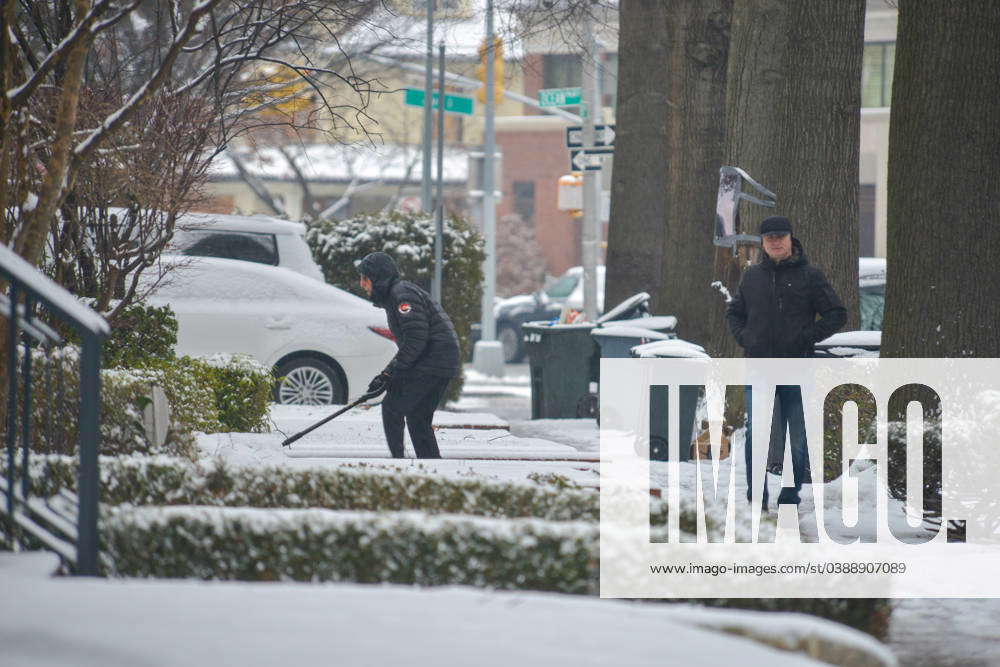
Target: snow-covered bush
[
  {"x": 365, "y": 547},
  {"x": 242, "y": 388},
  {"x": 139, "y": 333},
  {"x": 143, "y": 480},
  {"x": 217, "y": 394},
  {"x": 339, "y": 245},
  {"x": 124, "y": 395},
  {"x": 549, "y": 533},
  {"x": 189, "y": 393}
]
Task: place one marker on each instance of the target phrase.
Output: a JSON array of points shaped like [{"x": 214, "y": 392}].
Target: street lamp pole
[
  {"x": 591, "y": 178},
  {"x": 487, "y": 355},
  {"x": 425, "y": 180}
]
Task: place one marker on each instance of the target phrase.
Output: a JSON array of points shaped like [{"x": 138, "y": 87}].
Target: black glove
[{"x": 379, "y": 384}]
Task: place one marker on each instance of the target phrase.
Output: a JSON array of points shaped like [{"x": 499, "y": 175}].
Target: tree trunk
[
  {"x": 638, "y": 200},
  {"x": 943, "y": 190},
  {"x": 695, "y": 139},
  {"x": 793, "y": 115}
]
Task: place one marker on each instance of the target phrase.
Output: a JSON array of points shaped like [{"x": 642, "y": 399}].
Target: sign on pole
[
  {"x": 459, "y": 104},
  {"x": 604, "y": 135},
  {"x": 559, "y": 97},
  {"x": 588, "y": 159}
]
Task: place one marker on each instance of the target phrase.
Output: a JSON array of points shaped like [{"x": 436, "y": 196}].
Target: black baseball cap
[{"x": 776, "y": 224}]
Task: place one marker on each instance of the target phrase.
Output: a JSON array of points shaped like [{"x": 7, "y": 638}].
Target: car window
[
  {"x": 246, "y": 246},
  {"x": 872, "y": 305},
  {"x": 562, "y": 288}
]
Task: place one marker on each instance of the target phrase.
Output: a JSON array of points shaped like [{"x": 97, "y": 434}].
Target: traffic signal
[{"x": 497, "y": 70}]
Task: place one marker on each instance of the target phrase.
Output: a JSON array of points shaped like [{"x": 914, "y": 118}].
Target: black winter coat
[
  {"x": 424, "y": 333},
  {"x": 773, "y": 313}
]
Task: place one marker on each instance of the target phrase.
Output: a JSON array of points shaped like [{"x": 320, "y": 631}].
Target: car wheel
[
  {"x": 309, "y": 381},
  {"x": 513, "y": 350}
]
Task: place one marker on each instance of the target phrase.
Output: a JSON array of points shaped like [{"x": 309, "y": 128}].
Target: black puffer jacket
[
  {"x": 426, "y": 337},
  {"x": 773, "y": 313}
]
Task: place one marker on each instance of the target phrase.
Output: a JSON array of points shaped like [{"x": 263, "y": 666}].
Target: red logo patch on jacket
[{"x": 405, "y": 308}]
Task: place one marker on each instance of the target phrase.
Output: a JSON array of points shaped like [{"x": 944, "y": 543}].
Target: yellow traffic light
[{"x": 498, "y": 72}]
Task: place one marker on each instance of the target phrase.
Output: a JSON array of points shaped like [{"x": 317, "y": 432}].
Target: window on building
[
  {"x": 876, "y": 74},
  {"x": 524, "y": 200}
]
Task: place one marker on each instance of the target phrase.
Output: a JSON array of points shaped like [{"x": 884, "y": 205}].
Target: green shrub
[
  {"x": 143, "y": 480},
  {"x": 124, "y": 395},
  {"x": 403, "y": 543},
  {"x": 364, "y": 547},
  {"x": 242, "y": 388},
  {"x": 189, "y": 392},
  {"x": 139, "y": 333},
  {"x": 409, "y": 239}
]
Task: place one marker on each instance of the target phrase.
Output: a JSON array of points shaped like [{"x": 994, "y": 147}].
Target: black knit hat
[{"x": 776, "y": 224}]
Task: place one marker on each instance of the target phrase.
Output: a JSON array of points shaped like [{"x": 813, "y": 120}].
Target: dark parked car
[{"x": 545, "y": 304}]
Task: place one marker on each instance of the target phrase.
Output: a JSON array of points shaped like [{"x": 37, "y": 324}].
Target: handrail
[
  {"x": 36, "y": 289},
  {"x": 15, "y": 268}
]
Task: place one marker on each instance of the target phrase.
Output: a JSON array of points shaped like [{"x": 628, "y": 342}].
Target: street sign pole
[
  {"x": 487, "y": 355},
  {"x": 425, "y": 176},
  {"x": 439, "y": 203},
  {"x": 591, "y": 178}
]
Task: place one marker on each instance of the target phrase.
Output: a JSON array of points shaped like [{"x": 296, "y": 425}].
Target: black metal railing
[{"x": 63, "y": 521}]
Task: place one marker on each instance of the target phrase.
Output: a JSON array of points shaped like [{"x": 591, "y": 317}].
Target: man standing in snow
[
  {"x": 428, "y": 356},
  {"x": 774, "y": 314}
]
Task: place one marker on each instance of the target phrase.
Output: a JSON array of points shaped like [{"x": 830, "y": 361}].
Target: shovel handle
[{"x": 292, "y": 438}]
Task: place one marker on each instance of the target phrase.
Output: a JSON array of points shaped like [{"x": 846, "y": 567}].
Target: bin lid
[
  {"x": 545, "y": 325},
  {"x": 675, "y": 348},
  {"x": 654, "y": 322},
  {"x": 632, "y": 332},
  {"x": 624, "y": 308}
]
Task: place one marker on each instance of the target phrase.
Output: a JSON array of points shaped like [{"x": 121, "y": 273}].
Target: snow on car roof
[
  {"x": 240, "y": 223},
  {"x": 245, "y": 273},
  {"x": 391, "y": 163}
]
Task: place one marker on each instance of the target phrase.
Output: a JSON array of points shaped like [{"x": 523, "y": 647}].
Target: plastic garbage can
[
  {"x": 675, "y": 348},
  {"x": 616, "y": 342},
  {"x": 563, "y": 360}
]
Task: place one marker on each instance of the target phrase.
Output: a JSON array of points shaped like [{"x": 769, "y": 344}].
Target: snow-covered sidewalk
[{"x": 107, "y": 623}]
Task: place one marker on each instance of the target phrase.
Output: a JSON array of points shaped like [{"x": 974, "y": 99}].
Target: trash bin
[
  {"x": 563, "y": 360},
  {"x": 664, "y": 323},
  {"x": 674, "y": 348},
  {"x": 617, "y": 341}
]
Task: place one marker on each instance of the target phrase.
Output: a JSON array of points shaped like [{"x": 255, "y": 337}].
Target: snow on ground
[
  {"x": 484, "y": 447},
  {"x": 581, "y": 434},
  {"x": 107, "y": 623},
  {"x": 946, "y": 632}
]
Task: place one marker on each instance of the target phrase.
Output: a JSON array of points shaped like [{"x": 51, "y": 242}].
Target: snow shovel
[{"x": 292, "y": 438}]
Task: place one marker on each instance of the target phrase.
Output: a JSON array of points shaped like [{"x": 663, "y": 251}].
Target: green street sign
[
  {"x": 559, "y": 97},
  {"x": 452, "y": 103}
]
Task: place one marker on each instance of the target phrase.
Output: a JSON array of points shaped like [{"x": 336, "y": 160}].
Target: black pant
[{"x": 413, "y": 399}]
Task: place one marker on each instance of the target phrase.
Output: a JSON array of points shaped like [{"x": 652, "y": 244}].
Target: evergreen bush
[{"x": 338, "y": 246}]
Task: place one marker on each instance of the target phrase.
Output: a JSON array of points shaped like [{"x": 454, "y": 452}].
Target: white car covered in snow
[
  {"x": 258, "y": 238},
  {"x": 324, "y": 343}
]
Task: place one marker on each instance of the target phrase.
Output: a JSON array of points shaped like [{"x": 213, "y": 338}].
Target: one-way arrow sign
[
  {"x": 604, "y": 135},
  {"x": 589, "y": 159}
]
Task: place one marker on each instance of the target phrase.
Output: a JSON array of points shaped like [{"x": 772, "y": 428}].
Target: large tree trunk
[
  {"x": 671, "y": 83},
  {"x": 638, "y": 201},
  {"x": 793, "y": 115},
  {"x": 695, "y": 138},
  {"x": 943, "y": 192}
]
